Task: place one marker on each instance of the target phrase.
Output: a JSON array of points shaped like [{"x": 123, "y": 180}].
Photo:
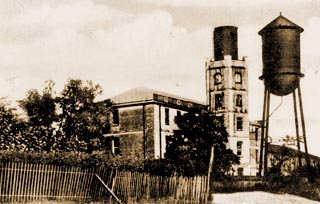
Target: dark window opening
[
  {"x": 239, "y": 124},
  {"x": 166, "y": 118},
  {"x": 218, "y": 101},
  {"x": 178, "y": 113},
  {"x": 115, "y": 117},
  {"x": 239, "y": 100},
  {"x": 240, "y": 171},
  {"x": 239, "y": 148}
]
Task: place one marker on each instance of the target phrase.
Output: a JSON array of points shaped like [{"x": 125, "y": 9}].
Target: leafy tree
[
  {"x": 11, "y": 128},
  {"x": 41, "y": 111},
  {"x": 82, "y": 121},
  {"x": 189, "y": 147}
]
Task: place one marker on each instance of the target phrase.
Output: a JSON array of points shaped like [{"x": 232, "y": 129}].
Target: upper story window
[
  {"x": 238, "y": 77},
  {"x": 218, "y": 101},
  {"x": 115, "y": 117},
  {"x": 217, "y": 78},
  {"x": 238, "y": 100},
  {"x": 166, "y": 116},
  {"x": 239, "y": 124}
]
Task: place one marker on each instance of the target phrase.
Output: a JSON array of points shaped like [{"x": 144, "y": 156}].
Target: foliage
[
  {"x": 10, "y": 128},
  {"x": 72, "y": 121},
  {"x": 79, "y": 159},
  {"x": 41, "y": 111},
  {"x": 82, "y": 121},
  {"x": 190, "y": 146},
  {"x": 159, "y": 167}
]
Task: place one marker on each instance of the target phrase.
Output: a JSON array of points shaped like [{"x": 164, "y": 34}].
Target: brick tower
[{"x": 227, "y": 95}]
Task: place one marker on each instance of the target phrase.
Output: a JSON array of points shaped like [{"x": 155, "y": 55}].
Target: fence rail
[{"x": 22, "y": 182}]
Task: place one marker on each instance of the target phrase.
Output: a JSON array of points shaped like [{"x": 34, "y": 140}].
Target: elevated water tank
[
  {"x": 225, "y": 40},
  {"x": 281, "y": 56}
]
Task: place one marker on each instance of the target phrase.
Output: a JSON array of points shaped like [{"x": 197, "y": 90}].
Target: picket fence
[{"x": 22, "y": 182}]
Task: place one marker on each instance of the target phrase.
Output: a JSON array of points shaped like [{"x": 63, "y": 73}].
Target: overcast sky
[{"x": 157, "y": 44}]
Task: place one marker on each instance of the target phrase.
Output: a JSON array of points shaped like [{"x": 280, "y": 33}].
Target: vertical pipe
[
  {"x": 266, "y": 136},
  {"x": 160, "y": 129},
  {"x": 208, "y": 84},
  {"x": 297, "y": 126},
  {"x": 303, "y": 128},
  {"x": 262, "y": 132},
  {"x": 144, "y": 131}
]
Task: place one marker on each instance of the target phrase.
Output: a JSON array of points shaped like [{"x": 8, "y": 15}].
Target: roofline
[{"x": 153, "y": 101}]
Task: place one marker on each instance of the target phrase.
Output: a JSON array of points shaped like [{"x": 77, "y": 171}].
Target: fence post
[{"x": 209, "y": 172}]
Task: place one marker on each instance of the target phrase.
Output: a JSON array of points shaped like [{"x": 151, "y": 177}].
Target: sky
[{"x": 159, "y": 44}]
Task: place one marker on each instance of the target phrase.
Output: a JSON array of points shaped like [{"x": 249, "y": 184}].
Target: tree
[
  {"x": 82, "y": 121},
  {"x": 11, "y": 128},
  {"x": 41, "y": 111},
  {"x": 189, "y": 147}
]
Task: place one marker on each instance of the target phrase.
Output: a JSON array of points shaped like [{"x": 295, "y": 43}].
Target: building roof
[
  {"x": 278, "y": 149},
  {"x": 143, "y": 94}
]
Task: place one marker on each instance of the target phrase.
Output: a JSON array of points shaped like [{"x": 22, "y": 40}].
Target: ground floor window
[
  {"x": 240, "y": 171},
  {"x": 113, "y": 145}
]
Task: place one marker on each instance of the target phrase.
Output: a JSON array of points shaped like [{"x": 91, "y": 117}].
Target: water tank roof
[{"x": 280, "y": 22}]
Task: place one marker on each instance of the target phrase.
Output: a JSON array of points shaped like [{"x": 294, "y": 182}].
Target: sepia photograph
[{"x": 160, "y": 101}]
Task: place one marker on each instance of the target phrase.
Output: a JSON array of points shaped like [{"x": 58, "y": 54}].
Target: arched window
[
  {"x": 238, "y": 78},
  {"x": 217, "y": 78}
]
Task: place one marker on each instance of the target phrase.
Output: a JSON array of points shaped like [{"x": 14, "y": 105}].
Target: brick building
[{"x": 143, "y": 118}]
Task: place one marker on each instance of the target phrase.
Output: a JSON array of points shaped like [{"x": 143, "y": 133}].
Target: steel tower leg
[
  {"x": 297, "y": 126},
  {"x": 265, "y": 168},
  {"x": 304, "y": 130},
  {"x": 262, "y": 132}
]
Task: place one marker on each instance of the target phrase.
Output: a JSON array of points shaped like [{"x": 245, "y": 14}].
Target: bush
[{"x": 84, "y": 160}]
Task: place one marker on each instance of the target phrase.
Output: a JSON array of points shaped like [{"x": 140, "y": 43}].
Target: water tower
[{"x": 281, "y": 75}]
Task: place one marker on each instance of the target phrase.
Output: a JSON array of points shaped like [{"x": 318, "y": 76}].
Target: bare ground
[
  {"x": 255, "y": 197},
  {"x": 258, "y": 197}
]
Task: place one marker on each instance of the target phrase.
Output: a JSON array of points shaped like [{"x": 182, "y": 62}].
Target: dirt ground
[
  {"x": 258, "y": 197},
  {"x": 255, "y": 197}
]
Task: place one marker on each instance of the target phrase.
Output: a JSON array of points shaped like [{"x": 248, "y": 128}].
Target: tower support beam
[{"x": 297, "y": 126}]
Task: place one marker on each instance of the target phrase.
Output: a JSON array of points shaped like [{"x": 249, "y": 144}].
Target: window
[
  {"x": 166, "y": 118},
  {"x": 238, "y": 100},
  {"x": 178, "y": 114},
  {"x": 240, "y": 171},
  {"x": 218, "y": 101},
  {"x": 239, "y": 124},
  {"x": 238, "y": 78},
  {"x": 217, "y": 78},
  {"x": 239, "y": 148},
  {"x": 256, "y": 134},
  {"x": 115, "y": 117},
  {"x": 113, "y": 144}
]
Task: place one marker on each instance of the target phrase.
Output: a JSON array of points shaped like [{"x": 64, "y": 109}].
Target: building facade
[{"x": 142, "y": 120}]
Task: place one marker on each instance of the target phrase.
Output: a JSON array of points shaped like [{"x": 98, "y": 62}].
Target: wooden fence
[
  {"x": 137, "y": 186},
  {"x": 21, "y": 182}
]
